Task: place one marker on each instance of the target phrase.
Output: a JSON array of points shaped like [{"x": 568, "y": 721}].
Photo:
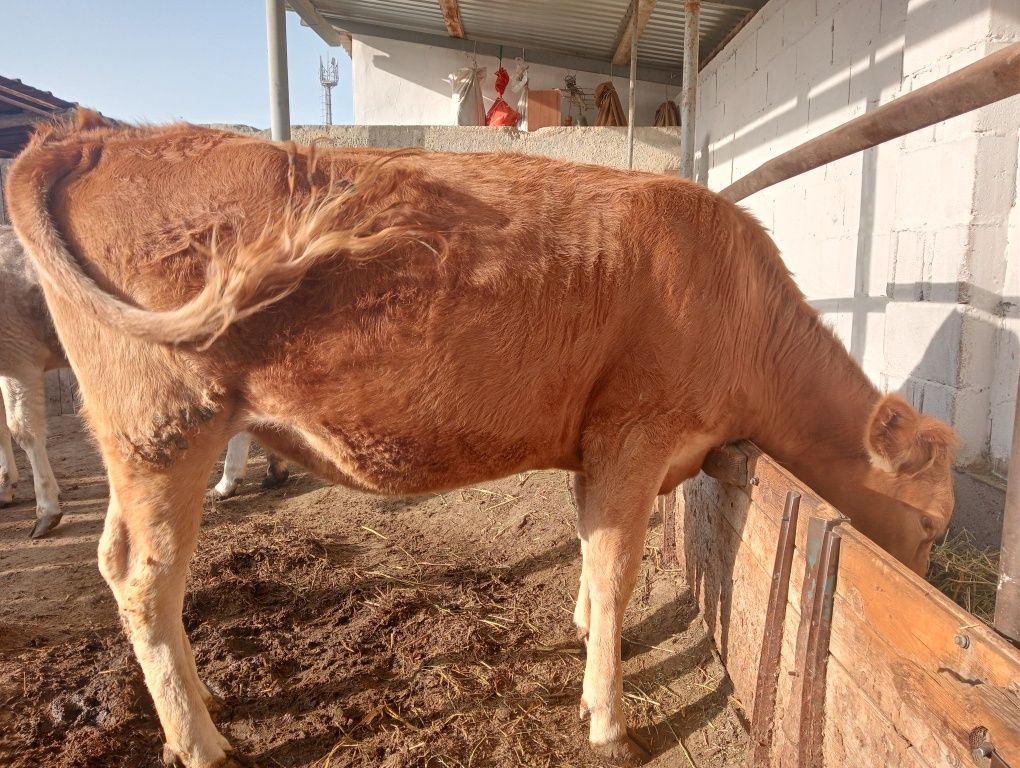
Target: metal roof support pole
[
  {"x": 689, "y": 94},
  {"x": 1007, "y": 597},
  {"x": 633, "y": 83},
  {"x": 279, "y": 90}
]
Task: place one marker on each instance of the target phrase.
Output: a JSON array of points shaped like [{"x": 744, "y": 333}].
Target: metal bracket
[
  {"x": 813, "y": 635},
  {"x": 762, "y": 720}
]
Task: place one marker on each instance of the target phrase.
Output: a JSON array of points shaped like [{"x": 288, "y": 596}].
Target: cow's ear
[{"x": 902, "y": 441}]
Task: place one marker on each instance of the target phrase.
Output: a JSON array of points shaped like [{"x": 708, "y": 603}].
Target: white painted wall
[
  {"x": 910, "y": 248},
  {"x": 398, "y": 83}
]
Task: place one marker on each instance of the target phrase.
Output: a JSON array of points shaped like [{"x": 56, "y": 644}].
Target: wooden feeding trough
[{"x": 857, "y": 661}]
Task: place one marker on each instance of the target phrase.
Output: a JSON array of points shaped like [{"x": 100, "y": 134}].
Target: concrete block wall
[
  {"x": 910, "y": 249},
  {"x": 400, "y": 83},
  {"x": 655, "y": 149}
]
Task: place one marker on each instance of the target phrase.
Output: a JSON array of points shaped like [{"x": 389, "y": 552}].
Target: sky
[{"x": 203, "y": 61}]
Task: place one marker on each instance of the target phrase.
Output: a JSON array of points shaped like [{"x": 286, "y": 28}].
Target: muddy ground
[{"x": 346, "y": 630}]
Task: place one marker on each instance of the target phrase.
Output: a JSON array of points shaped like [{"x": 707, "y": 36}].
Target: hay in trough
[{"x": 966, "y": 574}]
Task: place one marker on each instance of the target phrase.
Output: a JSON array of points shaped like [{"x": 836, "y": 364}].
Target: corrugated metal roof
[
  {"x": 583, "y": 29},
  {"x": 21, "y": 106}
]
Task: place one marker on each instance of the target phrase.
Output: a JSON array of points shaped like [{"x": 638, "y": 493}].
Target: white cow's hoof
[
  {"x": 45, "y": 524},
  {"x": 225, "y": 490},
  {"x": 6, "y": 497}
]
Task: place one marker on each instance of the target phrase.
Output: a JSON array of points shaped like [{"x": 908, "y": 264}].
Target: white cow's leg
[
  {"x": 234, "y": 465},
  {"x": 25, "y": 400},
  {"x": 612, "y": 521},
  {"x": 150, "y": 535},
  {"x": 8, "y": 469}
]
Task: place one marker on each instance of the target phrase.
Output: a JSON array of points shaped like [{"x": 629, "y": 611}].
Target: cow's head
[{"x": 911, "y": 479}]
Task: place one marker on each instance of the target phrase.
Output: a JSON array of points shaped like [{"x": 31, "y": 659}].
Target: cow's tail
[{"x": 352, "y": 220}]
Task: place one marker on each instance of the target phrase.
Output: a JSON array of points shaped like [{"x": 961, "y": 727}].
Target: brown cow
[{"x": 426, "y": 321}]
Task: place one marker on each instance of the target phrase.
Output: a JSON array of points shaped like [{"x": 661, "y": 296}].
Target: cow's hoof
[
  {"x": 630, "y": 750},
  {"x": 275, "y": 479},
  {"x": 232, "y": 760},
  {"x": 171, "y": 759},
  {"x": 237, "y": 760},
  {"x": 220, "y": 494},
  {"x": 45, "y": 524}
]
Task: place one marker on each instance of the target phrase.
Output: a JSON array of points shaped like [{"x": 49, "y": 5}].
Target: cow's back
[{"x": 27, "y": 334}]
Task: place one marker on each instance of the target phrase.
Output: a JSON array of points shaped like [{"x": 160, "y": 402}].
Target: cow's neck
[{"x": 813, "y": 406}]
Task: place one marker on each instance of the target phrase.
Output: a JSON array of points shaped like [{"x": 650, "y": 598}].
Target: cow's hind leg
[
  {"x": 25, "y": 401},
  {"x": 277, "y": 472},
  {"x": 150, "y": 534},
  {"x": 8, "y": 469}
]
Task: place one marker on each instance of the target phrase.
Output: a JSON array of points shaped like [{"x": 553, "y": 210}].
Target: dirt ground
[{"x": 346, "y": 630}]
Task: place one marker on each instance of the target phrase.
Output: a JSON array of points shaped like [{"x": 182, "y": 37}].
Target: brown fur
[{"x": 424, "y": 321}]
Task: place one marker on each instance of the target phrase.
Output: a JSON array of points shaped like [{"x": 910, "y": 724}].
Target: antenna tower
[{"x": 329, "y": 76}]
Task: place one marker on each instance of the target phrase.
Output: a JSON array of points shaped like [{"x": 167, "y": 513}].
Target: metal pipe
[
  {"x": 689, "y": 92},
  {"x": 1007, "y": 595},
  {"x": 993, "y": 78},
  {"x": 633, "y": 82},
  {"x": 279, "y": 90}
]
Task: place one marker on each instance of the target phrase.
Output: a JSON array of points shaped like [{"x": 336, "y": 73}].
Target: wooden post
[
  {"x": 1007, "y": 597},
  {"x": 633, "y": 83},
  {"x": 689, "y": 93}
]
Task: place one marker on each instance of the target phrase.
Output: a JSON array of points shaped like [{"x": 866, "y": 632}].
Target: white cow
[{"x": 28, "y": 348}]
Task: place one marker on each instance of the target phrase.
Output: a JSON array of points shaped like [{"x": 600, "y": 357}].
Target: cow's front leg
[
  {"x": 234, "y": 465},
  {"x": 8, "y": 469},
  {"x": 150, "y": 534},
  {"x": 25, "y": 401},
  {"x": 614, "y": 507}
]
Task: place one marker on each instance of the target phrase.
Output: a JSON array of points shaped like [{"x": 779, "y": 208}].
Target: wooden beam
[
  {"x": 626, "y": 36},
  {"x": 312, "y": 18},
  {"x": 451, "y": 15},
  {"x": 17, "y": 121}
]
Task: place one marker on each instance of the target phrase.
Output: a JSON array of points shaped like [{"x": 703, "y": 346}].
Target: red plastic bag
[{"x": 501, "y": 113}]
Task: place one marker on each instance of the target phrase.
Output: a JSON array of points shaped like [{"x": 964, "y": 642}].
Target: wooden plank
[
  {"x": 625, "y": 36},
  {"x": 451, "y": 15},
  {"x": 893, "y": 632},
  {"x": 728, "y": 464}
]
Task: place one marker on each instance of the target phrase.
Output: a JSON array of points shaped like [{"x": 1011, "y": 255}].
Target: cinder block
[
  {"x": 814, "y": 51},
  {"x": 922, "y": 340},
  {"x": 1003, "y": 394},
  {"x": 745, "y": 58},
  {"x": 855, "y": 29},
  {"x": 945, "y": 263},
  {"x": 936, "y": 186},
  {"x": 996, "y": 178},
  {"x": 892, "y": 18},
  {"x": 970, "y": 420},
  {"x": 769, "y": 39},
  {"x": 781, "y": 78},
  {"x": 907, "y": 276},
  {"x": 798, "y": 21},
  {"x": 829, "y": 102},
  {"x": 935, "y": 29}
]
